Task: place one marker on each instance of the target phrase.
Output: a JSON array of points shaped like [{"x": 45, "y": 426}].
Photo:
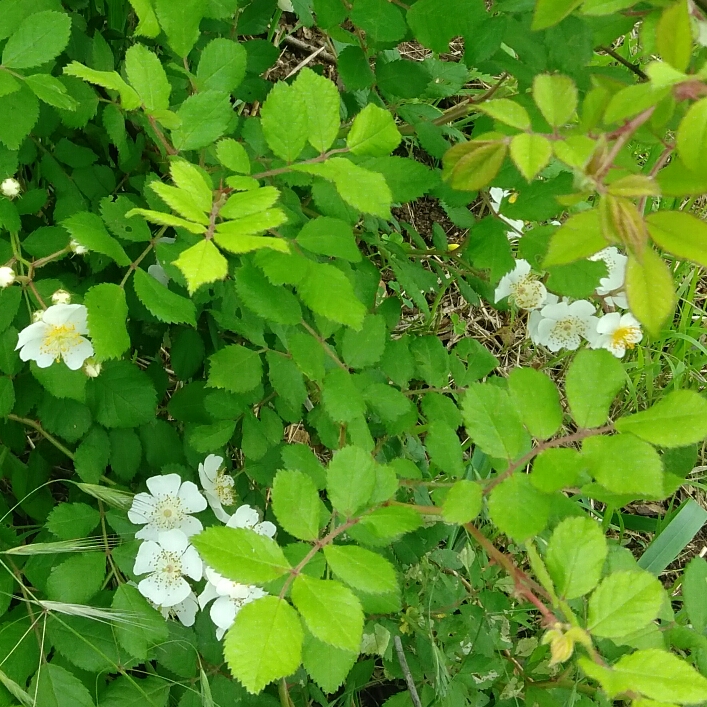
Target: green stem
[{"x": 50, "y": 438}]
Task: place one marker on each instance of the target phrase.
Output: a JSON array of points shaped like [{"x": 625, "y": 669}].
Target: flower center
[
  {"x": 60, "y": 339},
  {"x": 528, "y": 292},
  {"x": 169, "y": 568},
  {"x": 168, "y": 512},
  {"x": 223, "y": 487},
  {"x": 626, "y": 336}
]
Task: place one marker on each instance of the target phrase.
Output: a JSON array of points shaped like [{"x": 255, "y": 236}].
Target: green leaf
[
  {"x": 264, "y": 643},
  {"x": 326, "y": 665},
  {"x": 354, "y": 69},
  {"x": 321, "y": 101},
  {"x": 296, "y": 504},
  {"x": 373, "y": 132},
  {"x": 493, "y": 422},
  {"x": 7, "y": 396},
  {"x": 148, "y": 78},
  {"x": 366, "y": 191},
  {"x": 351, "y": 478},
  {"x": 650, "y": 290},
  {"x": 221, "y": 66},
  {"x": 575, "y": 556},
  {"x": 232, "y": 154},
  {"x": 61, "y": 381},
  {"x": 444, "y": 448},
  {"x": 39, "y": 38},
  {"x": 592, "y": 382},
  {"x": 270, "y": 302},
  {"x": 248, "y": 203},
  {"x": 164, "y": 304},
  {"x": 329, "y": 236},
  {"x": 694, "y": 591},
  {"x": 431, "y": 360},
  {"x": 556, "y": 469},
  {"x": 328, "y": 292},
  {"x": 691, "y": 139},
  {"x": 361, "y": 569},
  {"x": 680, "y": 233},
  {"x": 72, "y": 520},
  {"x": 678, "y": 419},
  {"x": 122, "y": 396},
  {"x": 284, "y": 121},
  {"x": 180, "y": 22},
  {"x": 241, "y": 554},
  {"x": 132, "y": 692},
  {"x": 91, "y": 456},
  {"x": 166, "y": 220},
  {"x": 235, "y": 368},
  {"x": 674, "y": 35},
  {"x": 180, "y": 201},
  {"x": 556, "y": 96},
  {"x": 343, "y": 402},
  {"x": 331, "y": 611},
  {"x": 624, "y": 602},
  {"x": 550, "y": 12},
  {"x": 51, "y": 91},
  {"x": 287, "y": 379},
  {"x": 507, "y": 111},
  {"x": 56, "y": 687},
  {"x": 531, "y": 153},
  {"x": 145, "y": 626},
  {"x": 518, "y": 508},
  {"x": 204, "y": 119},
  {"x": 537, "y": 400},
  {"x": 88, "y": 230},
  {"x": 379, "y": 19},
  {"x": 385, "y": 525},
  {"x": 435, "y": 22},
  {"x": 364, "y": 348},
  {"x": 469, "y": 166},
  {"x": 77, "y": 579},
  {"x": 201, "y": 265},
  {"x": 107, "y": 315},
  {"x": 463, "y": 502},
  {"x": 148, "y": 25},
  {"x": 578, "y": 237},
  {"x": 107, "y": 79}
]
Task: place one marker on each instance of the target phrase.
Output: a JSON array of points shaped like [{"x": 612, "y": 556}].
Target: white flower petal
[
  {"x": 74, "y": 358},
  {"x": 146, "y": 559},
  {"x": 175, "y": 541},
  {"x": 190, "y": 526},
  {"x": 582, "y": 308},
  {"x": 266, "y": 528},
  {"x": 59, "y": 314},
  {"x": 223, "y": 612},
  {"x": 33, "y": 332},
  {"x": 191, "y": 497},
  {"x": 186, "y": 610},
  {"x": 141, "y": 510},
  {"x": 609, "y": 323},
  {"x": 167, "y": 484},
  {"x": 244, "y": 517},
  {"x": 192, "y": 565},
  {"x": 209, "y": 594}
]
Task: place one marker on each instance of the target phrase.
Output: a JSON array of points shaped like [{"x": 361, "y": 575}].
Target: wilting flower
[
  {"x": 247, "y": 517},
  {"x": 611, "y": 286},
  {"x": 617, "y": 332},
  {"x": 521, "y": 287},
  {"x": 10, "y": 188},
  {"x": 58, "y": 333},
  {"x": 167, "y": 562},
  {"x": 7, "y": 276},
  {"x": 167, "y": 507},
  {"x": 217, "y": 485},
  {"x": 563, "y": 325}
]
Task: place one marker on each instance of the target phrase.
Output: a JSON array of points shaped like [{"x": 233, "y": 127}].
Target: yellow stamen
[
  {"x": 625, "y": 336},
  {"x": 60, "y": 339}
]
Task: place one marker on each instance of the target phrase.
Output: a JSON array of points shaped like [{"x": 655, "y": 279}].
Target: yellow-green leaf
[
  {"x": 674, "y": 35},
  {"x": 681, "y": 234},
  {"x": 556, "y": 96},
  {"x": 691, "y": 139},
  {"x": 472, "y": 165},
  {"x": 579, "y": 237},
  {"x": 201, "y": 264},
  {"x": 650, "y": 290},
  {"x": 507, "y": 111},
  {"x": 531, "y": 153}
]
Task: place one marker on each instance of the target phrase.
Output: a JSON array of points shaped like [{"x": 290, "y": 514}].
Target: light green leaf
[
  {"x": 518, "y": 508},
  {"x": 202, "y": 264},
  {"x": 232, "y": 154},
  {"x": 241, "y": 554},
  {"x": 164, "y": 219},
  {"x": 148, "y": 78},
  {"x": 469, "y": 166},
  {"x": 680, "y": 233},
  {"x": 537, "y": 400},
  {"x": 463, "y": 502},
  {"x": 694, "y": 592},
  {"x": 493, "y": 422},
  {"x": 326, "y": 665},
  {"x": 39, "y": 38},
  {"x": 444, "y": 448},
  {"x": 237, "y": 236},
  {"x": 107, "y": 79},
  {"x": 364, "y": 347},
  {"x": 321, "y": 100},
  {"x": 342, "y": 400},
  {"x": 55, "y": 686},
  {"x": 180, "y": 22},
  {"x": 691, "y": 139},
  {"x": 88, "y": 230},
  {"x": 678, "y": 419},
  {"x": 361, "y": 569},
  {"x": 296, "y": 504},
  {"x": 284, "y": 121},
  {"x": 556, "y": 96},
  {"x": 366, "y": 191},
  {"x": 650, "y": 290},
  {"x": 107, "y": 320},
  {"x": 191, "y": 179},
  {"x": 507, "y": 111},
  {"x": 674, "y": 35},
  {"x": 265, "y": 299},
  {"x": 593, "y": 380},
  {"x": 143, "y": 628},
  {"x": 249, "y": 203},
  {"x": 72, "y": 520},
  {"x": 235, "y": 368},
  {"x": 148, "y": 25},
  {"x": 373, "y": 132},
  {"x": 221, "y": 66},
  {"x": 385, "y": 525},
  {"x": 331, "y": 611},
  {"x": 62, "y": 584},
  {"x": 351, "y": 478},
  {"x": 204, "y": 118},
  {"x": 51, "y": 91},
  {"x": 531, "y": 153},
  {"x": 164, "y": 304},
  {"x": 624, "y": 602},
  {"x": 264, "y": 643},
  {"x": 557, "y": 469},
  {"x": 575, "y": 556},
  {"x": 578, "y": 237},
  {"x": 329, "y": 236},
  {"x": 180, "y": 201},
  {"x": 431, "y": 360},
  {"x": 550, "y": 12}
]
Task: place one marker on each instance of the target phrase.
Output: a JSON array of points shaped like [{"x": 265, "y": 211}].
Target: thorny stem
[
  {"x": 622, "y": 135},
  {"x": 160, "y": 136},
  {"x": 36, "y": 426},
  {"x": 33, "y": 287},
  {"x": 631, "y": 67}
]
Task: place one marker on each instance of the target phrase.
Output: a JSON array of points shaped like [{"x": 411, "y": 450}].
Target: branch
[
  {"x": 631, "y": 67},
  {"x": 36, "y": 426},
  {"x": 406, "y": 672},
  {"x": 282, "y": 170}
]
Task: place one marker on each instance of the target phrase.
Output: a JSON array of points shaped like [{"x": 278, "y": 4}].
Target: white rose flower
[
  {"x": 77, "y": 248},
  {"x": 523, "y": 288},
  {"x": 230, "y": 597},
  {"x": 167, "y": 507},
  {"x": 497, "y": 196},
  {"x": 617, "y": 332},
  {"x": 611, "y": 286},
  {"x": 58, "y": 333},
  {"x": 167, "y": 562},
  {"x": 7, "y": 276},
  {"x": 563, "y": 325},
  {"x": 185, "y": 611},
  {"x": 10, "y": 188},
  {"x": 247, "y": 517},
  {"x": 217, "y": 485},
  {"x": 61, "y": 297},
  {"x": 535, "y": 317}
]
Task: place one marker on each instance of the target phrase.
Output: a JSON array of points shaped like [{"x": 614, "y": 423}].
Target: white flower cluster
[
  {"x": 562, "y": 324},
  {"x": 168, "y": 559}
]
